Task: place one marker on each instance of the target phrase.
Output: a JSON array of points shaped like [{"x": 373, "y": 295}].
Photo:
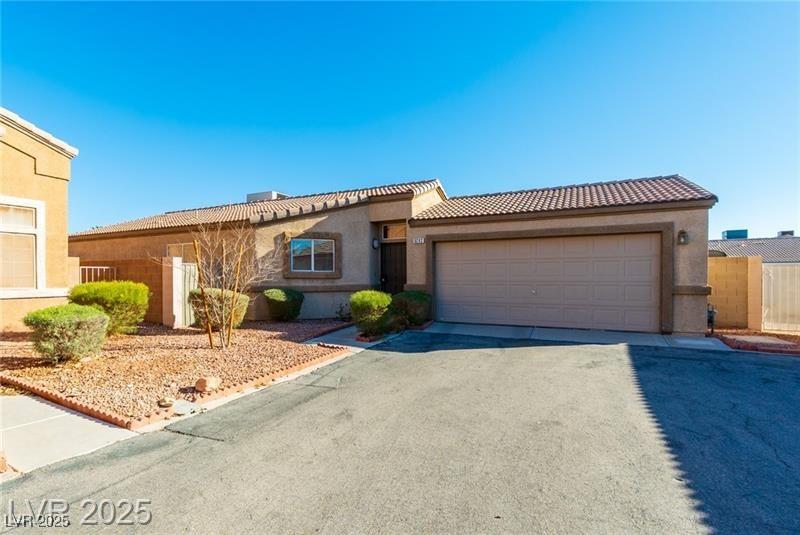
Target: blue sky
[{"x": 190, "y": 104}]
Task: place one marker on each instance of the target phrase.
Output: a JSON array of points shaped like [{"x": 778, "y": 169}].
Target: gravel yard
[{"x": 133, "y": 372}]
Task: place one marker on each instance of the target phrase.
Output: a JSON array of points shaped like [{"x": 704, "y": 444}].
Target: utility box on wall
[{"x": 736, "y": 291}]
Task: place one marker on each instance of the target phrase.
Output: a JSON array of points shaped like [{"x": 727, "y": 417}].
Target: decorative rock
[
  {"x": 165, "y": 402},
  {"x": 183, "y": 407},
  {"x": 207, "y": 384}
]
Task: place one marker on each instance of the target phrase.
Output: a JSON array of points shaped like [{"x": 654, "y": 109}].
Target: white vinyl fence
[{"x": 781, "y": 297}]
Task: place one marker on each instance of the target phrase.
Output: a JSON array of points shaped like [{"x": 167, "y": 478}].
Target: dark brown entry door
[{"x": 393, "y": 267}]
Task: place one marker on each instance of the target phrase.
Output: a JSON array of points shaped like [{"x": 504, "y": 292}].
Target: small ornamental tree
[{"x": 228, "y": 266}]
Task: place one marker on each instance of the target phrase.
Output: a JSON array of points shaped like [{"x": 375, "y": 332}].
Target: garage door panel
[
  {"x": 641, "y": 269},
  {"x": 601, "y": 282},
  {"x": 519, "y": 270},
  {"x": 543, "y": 314},
  {"x": 607, "y": 294},
  {"x": 642, "y": 244},
  {"x": 578, "y": 269},
  {"x": 496, "y": 271},
  {"x": 552, "y": 269},
  {"x": 607, "y": 269},
  {"x": 520, "y": 314},
  {"x": 641, "y": 295},
  {"x": 495, "y": 313},
  {"x": 576, "y": 293},
  {"x": 547, "y": 248},
  {"x": 607, "y": 247}
]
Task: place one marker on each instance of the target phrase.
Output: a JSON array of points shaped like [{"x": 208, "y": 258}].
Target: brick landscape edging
[
  {"x": 163, "y": 414},
  {"x": 762, "y": 348}
]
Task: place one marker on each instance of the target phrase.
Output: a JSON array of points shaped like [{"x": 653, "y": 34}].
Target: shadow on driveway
[{"x": 731, "y": 422}]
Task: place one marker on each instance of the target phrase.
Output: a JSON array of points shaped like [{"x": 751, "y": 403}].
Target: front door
[{"x": 393, "y": 267}]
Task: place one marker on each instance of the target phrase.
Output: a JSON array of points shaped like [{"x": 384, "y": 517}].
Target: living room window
[
  {"x": 312, "y": 255},
  {"x": 21, "y": 243}
]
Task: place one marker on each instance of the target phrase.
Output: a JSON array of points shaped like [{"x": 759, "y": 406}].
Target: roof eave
[{"x": 571, "y": 212}]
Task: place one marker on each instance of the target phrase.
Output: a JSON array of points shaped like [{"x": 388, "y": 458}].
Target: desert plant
[
  {"x": 413, "y": 306},
  {"x": 369, "y": 309},
  {"x": 218, "y": 301},
  {"x": 124, "y": 302},
  {"x": 283, "y": 304},
  {"x": 66, "y": 332},
  {"x": 228, "y": 258}
]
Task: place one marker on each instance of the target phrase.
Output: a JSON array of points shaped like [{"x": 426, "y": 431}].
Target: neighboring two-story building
[{"x": 35, "y": 271}]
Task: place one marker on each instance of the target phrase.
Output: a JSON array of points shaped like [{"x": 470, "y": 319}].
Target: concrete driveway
[{"x": 445, "y": 433}]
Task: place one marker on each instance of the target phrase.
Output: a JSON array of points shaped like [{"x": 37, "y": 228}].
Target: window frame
[
  {"x": 313, "y": 246},
  {"x": 38, "y": 233},
  {"x": 338, "y": 255}
]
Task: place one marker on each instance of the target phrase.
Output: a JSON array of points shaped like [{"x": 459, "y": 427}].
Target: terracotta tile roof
[
  {"x": 771, "y": 250},
  {"x": 637, "y": 191},
  {"x": 265, "y": 210}
]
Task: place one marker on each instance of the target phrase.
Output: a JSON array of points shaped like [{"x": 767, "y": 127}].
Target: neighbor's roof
[
  {"x": 262, "y": 211},
  {"x": 771, "y": 250},
  {"x": 639, "y": 191},
  {"x": 9, "y": 117}
]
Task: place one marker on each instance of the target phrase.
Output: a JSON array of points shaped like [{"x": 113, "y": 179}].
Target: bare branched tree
[{"x": 228, "y": 264}]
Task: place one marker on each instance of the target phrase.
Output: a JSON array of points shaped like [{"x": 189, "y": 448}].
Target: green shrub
[
  {"x": 125, "y": 302},
  {"x": 284, "y": 305},
  {"x": 66, "y": 332},
  {"x": 413, "y": 306},
  {"x": 216, "y": 307},
  {"x": 369, "y": 309}
]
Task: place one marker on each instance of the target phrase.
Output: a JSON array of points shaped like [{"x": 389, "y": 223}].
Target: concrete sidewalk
[
  {"x": 35, "y": 432},
  {"x": 347, "y": 338},
  {"x": 581, "y": 336}
]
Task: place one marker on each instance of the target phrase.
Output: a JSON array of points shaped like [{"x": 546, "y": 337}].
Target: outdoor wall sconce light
[
  {"x": 683, "y": 237},
  {"x": 375, "y": 243}
]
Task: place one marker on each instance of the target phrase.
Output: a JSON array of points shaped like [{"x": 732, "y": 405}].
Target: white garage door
[{"x": 592, "y": 282}]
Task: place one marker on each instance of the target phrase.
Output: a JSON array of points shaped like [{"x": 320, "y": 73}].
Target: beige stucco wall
[
  {"x": 126, "y": 247},
  {"x": 33, "y": 169},
  {"x": 736, "y": 291},
  {"x": 690, "y": 265},
  {"x": 359, "y": 260}
]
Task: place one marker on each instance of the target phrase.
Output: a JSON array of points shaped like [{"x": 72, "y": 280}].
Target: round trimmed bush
[
  {"x": 125, "y": 302},
  {"x": 216, "y": 306},
  {"x": 67, "y": 332},
  {"x": 283, "y": 304},
  {"x": 369, "y": 309},
  {"x": 413, "y": 306}
]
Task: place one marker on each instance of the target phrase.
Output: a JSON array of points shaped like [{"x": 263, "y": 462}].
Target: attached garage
[
  {"x": 627, "y": 255},
  {"x": 598, "y": 282}
]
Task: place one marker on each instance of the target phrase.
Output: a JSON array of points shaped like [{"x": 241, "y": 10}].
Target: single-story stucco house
[
  {"x": 624, "y": 255},
  {"x": 34, "y": 177}
]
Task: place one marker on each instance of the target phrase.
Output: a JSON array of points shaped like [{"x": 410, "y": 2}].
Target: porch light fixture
[
  {"x": 376, "y": 243},
  {"x": 683, "y": 237}
]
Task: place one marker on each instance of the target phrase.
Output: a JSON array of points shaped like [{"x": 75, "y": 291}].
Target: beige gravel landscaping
[{"x": 133, "y": 372}]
